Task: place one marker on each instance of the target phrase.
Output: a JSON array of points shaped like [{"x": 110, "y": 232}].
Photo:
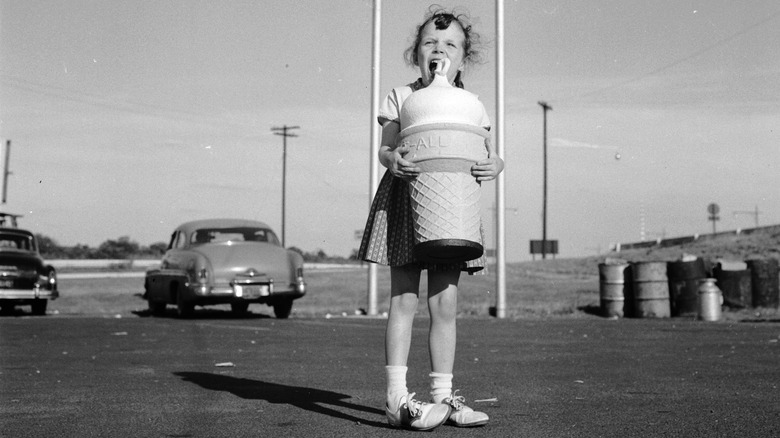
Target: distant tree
[
  {"x": 158, "y": 249},
  {"x": 125, "y": 248},
  {"x": 48, "y": 247},
  {"x": 122, "y": 248},
  {"x": 79, "y": 251}
]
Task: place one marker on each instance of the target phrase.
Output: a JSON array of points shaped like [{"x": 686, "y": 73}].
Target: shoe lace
[
  {"x": 456, "y": 401},
  {"x": 414, "y": 406}
]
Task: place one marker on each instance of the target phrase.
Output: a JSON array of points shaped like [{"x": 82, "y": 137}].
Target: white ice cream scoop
[{"x": 442, "y": 66}]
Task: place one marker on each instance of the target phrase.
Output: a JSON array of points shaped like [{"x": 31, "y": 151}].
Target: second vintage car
[
  {"x": 25, "y": 279},
  {"x": 225, "y": 261}
]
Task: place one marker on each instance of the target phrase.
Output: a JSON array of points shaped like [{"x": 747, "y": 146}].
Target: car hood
[{"x": 231, "y": 259}]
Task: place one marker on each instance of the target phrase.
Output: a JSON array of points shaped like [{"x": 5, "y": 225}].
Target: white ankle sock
[
  {"x": 396, "y": 384},
  {"x": 441, "y": 386}
]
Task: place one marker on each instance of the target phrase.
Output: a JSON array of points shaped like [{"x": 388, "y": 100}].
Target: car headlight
[
  {"x": 52, "y": 279},
  {"x": 203, "y": 276}
]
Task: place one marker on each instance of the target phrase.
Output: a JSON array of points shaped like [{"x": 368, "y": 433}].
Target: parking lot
[{"x": 222, "y": 376}]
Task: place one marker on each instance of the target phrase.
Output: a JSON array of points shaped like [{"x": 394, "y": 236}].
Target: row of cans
[{"x": 659, "y": 289}]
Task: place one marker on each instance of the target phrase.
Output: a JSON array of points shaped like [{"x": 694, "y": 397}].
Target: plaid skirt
[{"x": 388, "y": 238}]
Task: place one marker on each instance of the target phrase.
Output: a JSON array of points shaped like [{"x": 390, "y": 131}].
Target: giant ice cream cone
[{"x": 440, "y": 128}]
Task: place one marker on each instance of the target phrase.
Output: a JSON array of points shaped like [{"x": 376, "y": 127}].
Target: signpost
[
  {"x": 713, "y": 210},
  {"x": 544, "y": 247}
]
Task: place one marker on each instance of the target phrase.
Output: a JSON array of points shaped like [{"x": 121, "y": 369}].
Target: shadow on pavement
[
  {"x": 202, "y": 313},
  {"x": 310, "y": 399}
]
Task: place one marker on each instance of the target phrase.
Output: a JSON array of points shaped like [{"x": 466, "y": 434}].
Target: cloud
[{"x": 563, "y": 143}]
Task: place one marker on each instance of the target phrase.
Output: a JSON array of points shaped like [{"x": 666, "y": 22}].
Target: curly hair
[{"x": 442, "y": 20}]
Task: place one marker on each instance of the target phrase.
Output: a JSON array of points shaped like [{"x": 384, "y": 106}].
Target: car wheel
[
  {"x": 282, "y": 308},
  {"x": 157, "y": 308},
  {"x": 239, "y": 308},
  {"x": 184, "y": 308},
  {"x": 39, "y": 307}
]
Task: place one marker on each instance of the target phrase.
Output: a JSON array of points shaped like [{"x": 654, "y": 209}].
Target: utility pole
[
  {"x": 284, "y": 132},
  {"x": 545, "y": 108},
  {"x": 5, "y": 156}
]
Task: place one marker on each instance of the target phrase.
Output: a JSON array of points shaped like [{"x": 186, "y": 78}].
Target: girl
[{"x": 389, "y": 238}]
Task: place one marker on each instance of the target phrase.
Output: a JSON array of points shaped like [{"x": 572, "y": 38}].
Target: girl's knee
[
  {"x": 444, "y": 306},
  {"x": 404, "y": 303}
]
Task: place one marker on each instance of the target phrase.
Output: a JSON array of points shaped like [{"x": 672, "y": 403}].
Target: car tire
[
  {"x": 39, "y": 306},
  {"x": 239, "y": 308},
  {"x": 157, "y": 308},
  {"x": 184, "y": 308},
  {"x": 282, "y": 308}
]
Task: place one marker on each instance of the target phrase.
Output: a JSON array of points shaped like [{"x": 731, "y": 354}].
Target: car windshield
[
  {"x": 239, "y": 234},
  {"x": 16, "y": 241}
]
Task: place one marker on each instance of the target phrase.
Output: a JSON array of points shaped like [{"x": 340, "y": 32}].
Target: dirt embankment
[{"x": 736, "y": 247}]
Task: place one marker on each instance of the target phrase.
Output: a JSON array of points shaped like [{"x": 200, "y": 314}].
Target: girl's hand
[
  {"x": 392, "y": 157},
  {"x": 401, "y": 168},
  {"x": 488, "y": 169}
]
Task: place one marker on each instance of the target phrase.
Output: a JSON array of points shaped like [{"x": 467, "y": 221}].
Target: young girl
[{"x": 389, "y": 238}]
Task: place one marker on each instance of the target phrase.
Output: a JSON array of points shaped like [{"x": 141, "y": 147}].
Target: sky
[{"x": 129, "y": 118}]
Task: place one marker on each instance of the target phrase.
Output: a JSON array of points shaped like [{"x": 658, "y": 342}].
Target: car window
[
  {"x": 239, "y": 234},
  {"x": 16, "y": 241},
  {"x": 181, "y": 242}
]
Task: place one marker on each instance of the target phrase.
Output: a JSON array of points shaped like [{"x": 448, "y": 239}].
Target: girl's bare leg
[
  {"x": 443, "y": 308},
  {"x": 404, "y": 291}
]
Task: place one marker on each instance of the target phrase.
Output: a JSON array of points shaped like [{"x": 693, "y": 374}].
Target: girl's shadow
[{"x": 310, "y": 399}]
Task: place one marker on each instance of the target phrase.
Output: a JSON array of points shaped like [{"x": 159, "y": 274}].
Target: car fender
[{"x": 163, "y": 284}]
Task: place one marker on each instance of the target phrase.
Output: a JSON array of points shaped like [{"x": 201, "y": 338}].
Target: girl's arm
[
  {"x": 391, "y": 156},
  {"x": 488, "y": 169}
]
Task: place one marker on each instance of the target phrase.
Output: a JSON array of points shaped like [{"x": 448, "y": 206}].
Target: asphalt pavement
[{"x": 216, "y": 376}]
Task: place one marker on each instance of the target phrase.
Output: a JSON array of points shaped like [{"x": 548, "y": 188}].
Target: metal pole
[
  {"x": 545, "y": 108},
  {"x": 500, "y": 186},
  {"x": 6, "y": 157},
  {"x": 283, "y": 131},
  {"x": 284, "y": 184},
  {"x": 374, "y": 157}
]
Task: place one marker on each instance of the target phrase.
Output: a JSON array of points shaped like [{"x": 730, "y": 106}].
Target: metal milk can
[{"x": 709, "y": 300}]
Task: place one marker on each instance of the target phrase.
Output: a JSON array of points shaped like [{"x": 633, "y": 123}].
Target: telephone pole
[
  {"x": 284, "y": 131},
  {"x": 545, "y": 108},
  {"x": 5, "y": 156}
]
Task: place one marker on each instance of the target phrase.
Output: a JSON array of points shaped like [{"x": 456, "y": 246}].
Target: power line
[{"x": 679, "y": 61}]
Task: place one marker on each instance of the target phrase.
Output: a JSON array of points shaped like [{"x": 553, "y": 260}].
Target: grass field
[
  {"x": 534, "y": 290},
  {"x": 538, "y": 289},
  {"x": 530, "y": 293}
]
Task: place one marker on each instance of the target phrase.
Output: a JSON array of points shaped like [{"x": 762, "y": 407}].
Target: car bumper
[
  {"x": 250, "y": 293},
  {"x": 28, "y": 294}
]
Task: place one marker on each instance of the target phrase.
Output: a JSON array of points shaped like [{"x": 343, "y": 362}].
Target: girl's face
[{"x": 439, "y": 44}]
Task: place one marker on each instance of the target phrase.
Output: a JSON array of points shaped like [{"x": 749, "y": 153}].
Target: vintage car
[
  {"x": 225, "y": 261},
  {"x": 24, "y": 277}
]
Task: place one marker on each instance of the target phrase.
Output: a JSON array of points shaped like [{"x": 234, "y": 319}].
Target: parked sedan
[
  {"x": 24, "y": 277},
  {"x": 225, "y": 261}
]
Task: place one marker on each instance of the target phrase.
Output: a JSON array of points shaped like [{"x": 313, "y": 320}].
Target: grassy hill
[{"x": 763, "y": 243}]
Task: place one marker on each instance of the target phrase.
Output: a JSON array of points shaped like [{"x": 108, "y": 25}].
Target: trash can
[
  {"x": 684, "y": 277},
  {"x": 650, "y": 289},
  {"x": 614, "y": 279},
  {"x": 735, "y": 281},
  {"x": 764, "y": 275}
]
